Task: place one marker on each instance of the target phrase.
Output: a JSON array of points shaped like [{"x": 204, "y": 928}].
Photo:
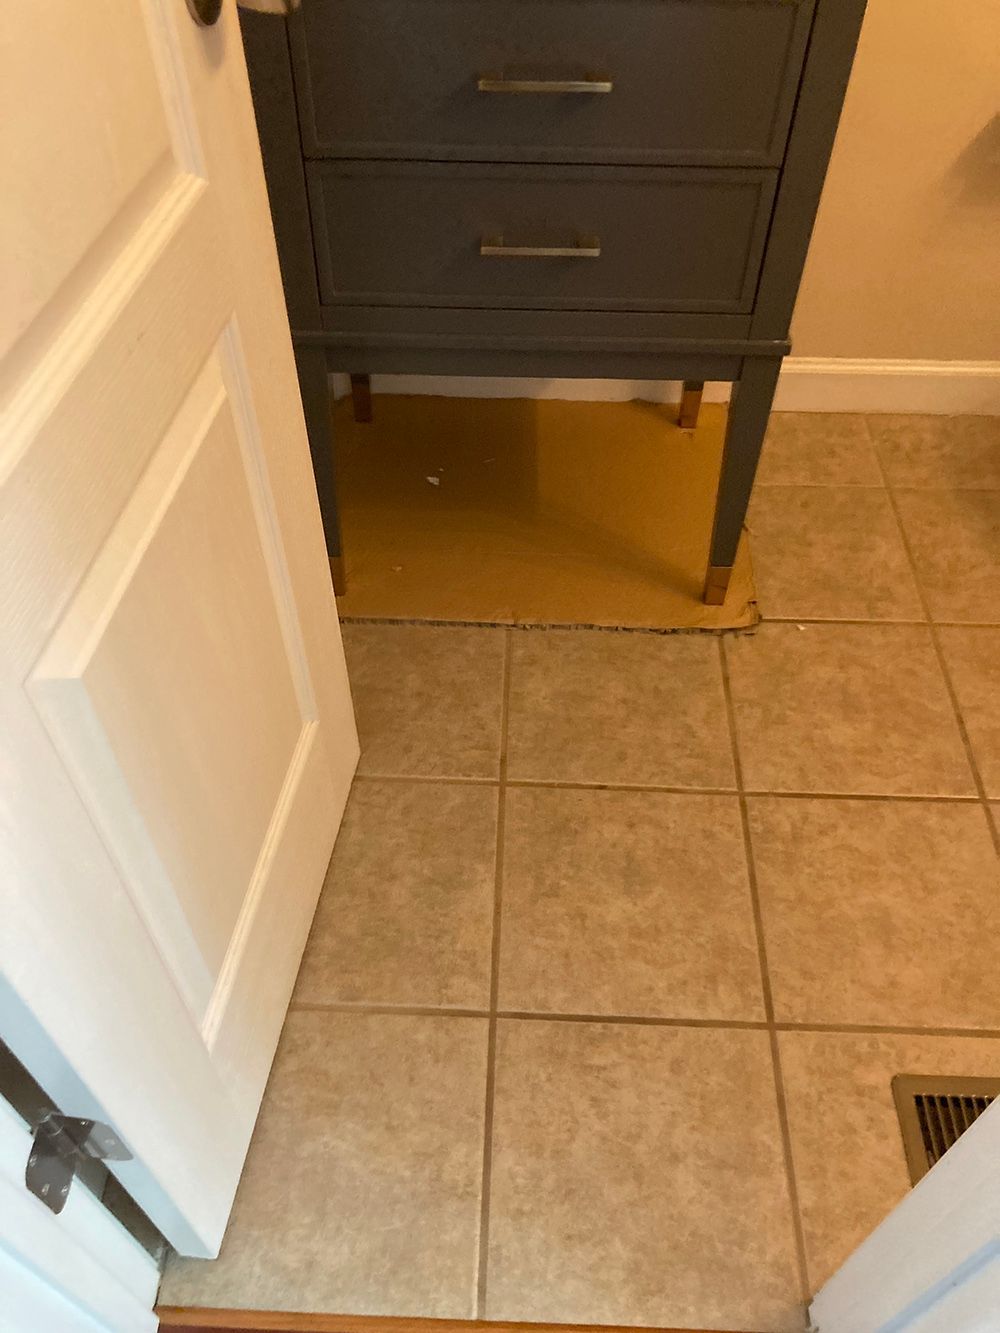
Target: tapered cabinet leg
[
  {"x": 315, "y": 390},
  {"x": 691, "y": 404},
  {"x": 361, "y": 397},
  {"x": 753, "y": 396}
]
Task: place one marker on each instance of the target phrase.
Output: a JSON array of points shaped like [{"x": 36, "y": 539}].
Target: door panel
[
  {"x": 187, "y": 782},
  {"x": 178, "y": 724},
  {"x": 103, "y": 177}
]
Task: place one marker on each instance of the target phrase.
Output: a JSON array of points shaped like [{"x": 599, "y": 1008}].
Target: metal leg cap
[{"x": 717, "y": 584}]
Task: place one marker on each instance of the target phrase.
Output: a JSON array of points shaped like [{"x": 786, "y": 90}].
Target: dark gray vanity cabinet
[{"x": 588, "y": 188}]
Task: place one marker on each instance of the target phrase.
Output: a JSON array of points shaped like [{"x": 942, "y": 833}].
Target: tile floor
[{"x": 626, "y": 934}]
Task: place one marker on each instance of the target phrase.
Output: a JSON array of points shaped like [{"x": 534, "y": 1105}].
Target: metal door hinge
[{"x": 62, "y": 1144}]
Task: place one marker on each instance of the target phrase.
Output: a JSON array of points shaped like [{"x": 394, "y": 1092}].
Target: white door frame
[{"x": 78, "y": 1272}]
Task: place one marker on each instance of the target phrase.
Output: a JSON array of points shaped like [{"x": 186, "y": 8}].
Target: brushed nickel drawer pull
[
  {"x": 498, "y": 83},
  {"x": 587, "y": 247}
]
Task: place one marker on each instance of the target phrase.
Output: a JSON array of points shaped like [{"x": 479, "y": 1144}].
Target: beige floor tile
[
  {"x": 818, "y": 449},
  {"x": 428, "y": 698},
  {"x": 955, "y": 540},
  {"x": 831, "y": 552},
  {"x": 587, "y": 706},
  {"x": 878, "y": 912},
  {"x": 858, "y": 709},
  {"x": 362, "y": 1188},
  {"x": 627, "y": 903},
  {"x": 939, "y": 451},
  {"x": 406, "y": 914},
  {"x": 973, "y": 660},
  {"x": 638, "y": 1178},
  {"x": 850, "y": 1168}
]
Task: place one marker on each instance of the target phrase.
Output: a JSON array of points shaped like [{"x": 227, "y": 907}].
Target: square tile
[
  {"x": 850, "y": 1168},
  {"x": 638, "y": 1178},
  {"x": 972, "y": 657},
  {"x": 831, "y": 552},
  {"x": 939, "y": 451},
  {"x": 818, "y": 449},
  {"x": 605, "y": 707},
  {"x": 362, "y": 1188},
  {"x": 878, "y": 912},
  {"x": 428, "y": 699},
  {"x": 856, "y": 709},
  {"x": 627, "y": 903},
  {"x": 955, "y": 540},
  {"x": 406, "y": 914}
]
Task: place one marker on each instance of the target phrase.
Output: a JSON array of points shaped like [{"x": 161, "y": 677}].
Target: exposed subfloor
[{"x": 626, "y": 934}]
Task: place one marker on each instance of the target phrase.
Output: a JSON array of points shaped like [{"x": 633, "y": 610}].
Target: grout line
[
  {"x": 886, "y": 1030},
  {"x": 426, "y": 777},
  {"x": 374, "y": 1007},
  {"x": 883, "y": 622},
  {"x": 555, "y": 784},
  {"x": 910, "y": 623},
  {"x": 967, "y": 799},
  {"x": 758, "y": 919},
  {"x": 933, "y": 628},
  {"x": 820, "y": 485},
  {"x": 793, "y": 1187},
  {"x": 664, "y": 789},
  {"x": 482, "y": 1266},
  {"x": 636, "y": 1020},
  {"x": 647, "y": 1020},
  {"x": 765, "y": 981}
]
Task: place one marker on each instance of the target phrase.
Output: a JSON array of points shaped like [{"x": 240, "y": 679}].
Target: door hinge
[{"x": 62, "y": 1144}]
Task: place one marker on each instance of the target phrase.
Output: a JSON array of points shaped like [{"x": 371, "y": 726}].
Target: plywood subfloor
[{"x": 523, "y": 511}]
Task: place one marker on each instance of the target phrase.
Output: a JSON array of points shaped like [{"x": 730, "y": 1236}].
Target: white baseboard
[
  {"x": 828, "y": 384},
  {"x": 807, "y": 384}
]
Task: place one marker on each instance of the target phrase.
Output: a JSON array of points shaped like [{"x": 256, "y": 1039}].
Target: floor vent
[{"x": 934, "y": 1113}]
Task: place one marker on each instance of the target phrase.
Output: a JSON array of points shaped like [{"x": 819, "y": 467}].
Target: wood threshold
[{"x": 175, "y": 1318}]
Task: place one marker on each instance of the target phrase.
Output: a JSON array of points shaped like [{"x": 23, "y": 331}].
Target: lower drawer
[{"x": 539, "y": 238}]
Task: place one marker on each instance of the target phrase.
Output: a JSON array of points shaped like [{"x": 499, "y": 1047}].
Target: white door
[
  {"x": 933, "y": 1266},
  {"x": 178, "y": 738}
]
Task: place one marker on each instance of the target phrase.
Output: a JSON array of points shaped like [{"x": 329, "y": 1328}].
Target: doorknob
[{"x": 206, "y": 12}]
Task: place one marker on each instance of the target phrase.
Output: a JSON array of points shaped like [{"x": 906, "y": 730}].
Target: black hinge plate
[{"x": 62, "y": 1143}]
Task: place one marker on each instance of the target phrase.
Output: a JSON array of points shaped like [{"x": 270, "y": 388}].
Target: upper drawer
[
  {"x": 539, "y": 237},
  {"x": 693, "y": 82}
]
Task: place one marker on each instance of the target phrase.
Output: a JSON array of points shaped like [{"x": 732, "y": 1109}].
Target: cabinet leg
[
  {"x": 361, "y": 397},
  {"x": 691, "y": 404},
  {"x": 315, "y": 390},
  {"x": 749, "y": 410}
]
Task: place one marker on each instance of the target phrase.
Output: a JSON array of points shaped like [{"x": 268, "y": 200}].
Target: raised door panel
[
  {"x": 182, "y": 782},
  {"x": 66, "y": 209}
]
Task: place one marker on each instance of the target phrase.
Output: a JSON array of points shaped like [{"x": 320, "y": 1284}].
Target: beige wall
[{"x": 905, "y": 260}]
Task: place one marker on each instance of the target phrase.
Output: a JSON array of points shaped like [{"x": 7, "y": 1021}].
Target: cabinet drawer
[
  {"x": 539, "y": 238},
  {"x": 692, "y": 82}
]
